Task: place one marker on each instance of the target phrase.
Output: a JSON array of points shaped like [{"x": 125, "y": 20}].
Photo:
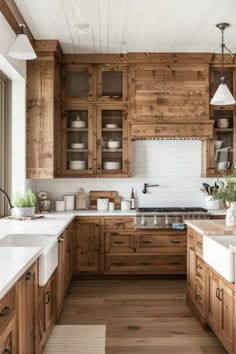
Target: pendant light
[
  {"x": 223, "y": 96},
  {"x": 22, "y": 48}
]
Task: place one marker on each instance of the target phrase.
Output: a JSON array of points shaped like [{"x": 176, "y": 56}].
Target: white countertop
[{"x": 14, "y": 261}]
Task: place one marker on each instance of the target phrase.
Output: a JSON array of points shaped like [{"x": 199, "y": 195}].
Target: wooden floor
[{"x": 141, "y": 316}]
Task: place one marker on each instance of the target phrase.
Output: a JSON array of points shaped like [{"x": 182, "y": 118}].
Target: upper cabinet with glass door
[
  {"x": 220, "y": 151},
  {"x": 78, "y": 83},
  {"x": 112, "y": 83}
]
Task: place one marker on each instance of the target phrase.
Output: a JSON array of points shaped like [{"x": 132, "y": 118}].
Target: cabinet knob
[
  {"x": 47, "y": 297},
  {"x": 198, "y": 296},
  {"x": 5, "y": 312},
  {"x": 199, "y": 266},
  {"x": 29, "y": 276},
  {"x": 192, "y": 248},
  {"x": 61, "y": 239},
  {"x": 6, "y": 351}
]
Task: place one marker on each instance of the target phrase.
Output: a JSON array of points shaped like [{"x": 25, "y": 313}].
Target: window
[{"x": 3, "y": 139}]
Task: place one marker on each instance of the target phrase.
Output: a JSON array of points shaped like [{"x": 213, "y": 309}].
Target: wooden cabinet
[
  {"x": 43, "y": 132},
  {"x": 88, "y": 245},
  {"x": 27, "y": 310},
  {"x": 78, "y": 83},
  {"x": 112, "y": 83},
  {"x": 220, "y": 308},
  {"x": 8, "y": 318},
  {"x": 62, "y": 269},
  {"x": 46, "y": 311},
  {"x": 195, "y": 274},
  {"x": 219, "y": 153}
]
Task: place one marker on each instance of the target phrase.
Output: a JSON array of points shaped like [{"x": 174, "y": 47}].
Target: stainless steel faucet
[{"x": 10, "y": 206}]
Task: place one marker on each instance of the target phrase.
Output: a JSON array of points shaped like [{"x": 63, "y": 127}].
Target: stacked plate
[
  {"x": 77, "y": 165},
  {"x": 78, "y": 124},
  {"x": 77, "y": 146},
  {"x": 112, "y": 165},
  {"x": 111, "y": 126},
  {"x": 222, "y": 123}
]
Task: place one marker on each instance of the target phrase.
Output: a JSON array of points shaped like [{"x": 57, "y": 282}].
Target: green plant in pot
[
  {"x": 24, "y": 204},
  {"x": 227, "y": 193}
]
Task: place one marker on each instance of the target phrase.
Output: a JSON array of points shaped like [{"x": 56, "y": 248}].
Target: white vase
[
  {"x": 211, "y": 203},
  {"x": 231, "y": 215}
]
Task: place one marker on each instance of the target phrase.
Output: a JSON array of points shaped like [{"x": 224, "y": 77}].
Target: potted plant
[
  {"x": 24, "y": 204},
  {"x": 227, "y": 193}
]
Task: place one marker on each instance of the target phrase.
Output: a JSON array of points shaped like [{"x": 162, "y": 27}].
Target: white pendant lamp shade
[
  {"x": 223, "y": 96},
  {"x": 22, "y": 48}
]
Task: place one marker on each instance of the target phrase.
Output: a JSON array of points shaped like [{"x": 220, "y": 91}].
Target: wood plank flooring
[{"x": 141, "y": 316}]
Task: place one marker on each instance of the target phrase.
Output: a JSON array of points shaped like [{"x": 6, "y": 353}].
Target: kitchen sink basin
[
  {"x": 48, "y": 259},
  {"x": 217, "y": 253}
]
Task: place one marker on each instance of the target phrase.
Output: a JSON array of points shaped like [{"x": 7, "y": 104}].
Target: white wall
[
  {"x": 173, "y": 164},
  {"x": 15, "y": 70}
]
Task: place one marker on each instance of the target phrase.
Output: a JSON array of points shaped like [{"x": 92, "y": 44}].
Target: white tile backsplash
[{"x": 173, "y": 164}]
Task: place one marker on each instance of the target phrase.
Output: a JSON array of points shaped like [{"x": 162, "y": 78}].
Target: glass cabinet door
[
  {"x": 77, "y": 83},
  {"x": 112, "y": 83},
  {"x": 112, "y": 142},
  {"x": 77, "y": 141}
]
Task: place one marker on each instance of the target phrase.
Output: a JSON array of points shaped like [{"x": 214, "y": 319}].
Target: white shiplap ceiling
[{"x": 121, "y": 26}]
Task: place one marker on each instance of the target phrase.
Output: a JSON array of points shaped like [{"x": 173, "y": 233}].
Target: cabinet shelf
[
  {"x": 112, "y": 129},
  {"x": 112, "y": 150},
  {"x": 77, "y": 150},
  {"x": 77, "y": 129},
  {"x": 223, "y": 130}
]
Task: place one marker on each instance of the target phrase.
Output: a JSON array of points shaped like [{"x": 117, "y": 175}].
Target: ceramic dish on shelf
[
  {"x": 112, "y": 165},
  {"x": 113, "y": 144},
  {"x": 77, "y": 165},
  {"x": 111, "y": 126},
  {"x": 78, "y": 124},
  {"x": 218, "y": 144},
  {"x": 222, "y": 123},
  {"x": 77, "y": 146}
]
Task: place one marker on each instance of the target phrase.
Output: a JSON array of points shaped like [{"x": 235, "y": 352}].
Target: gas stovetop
[{"x": 173, "y": 210}]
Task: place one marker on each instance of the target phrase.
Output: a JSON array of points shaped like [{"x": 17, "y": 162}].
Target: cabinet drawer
[
  {"x": 200, "y": 269},
  {"x": 161, "y": 243},
  {"x": 117, "y": 243},
  {"x": 199, "y": 297},
  {"x": 119, "y": 223},
  {"x": 199, "y": 244},
  {"x": 145, "y": 263},
  {"x": 7, "y": 309}
]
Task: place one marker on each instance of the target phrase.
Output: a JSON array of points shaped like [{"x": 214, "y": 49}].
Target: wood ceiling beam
[{"x": 14, "y": 17}]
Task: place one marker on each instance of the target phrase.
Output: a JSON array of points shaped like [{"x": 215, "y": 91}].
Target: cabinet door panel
[
  {"x": 61, "y": 271},
  {"x": 27, "y": 297},
  {"x": 191, "y": 271},
  {"x": 227, "y": 316},
  {"x": 8, "y": 340},
  {"x": 88, "y": 246},
  {"x": 7, "y": 309},
  {"x": 212, "y": 301}
]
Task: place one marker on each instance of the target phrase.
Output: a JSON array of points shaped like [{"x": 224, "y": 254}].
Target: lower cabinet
[
  {"x": 46, "y": 311},
  {"x": 88, "y": 245},
  {"x": 8, "y": 318},
  {"x": 27, "y": 310},
  {"x": 162, "y": 252},
  {"x": 62, "y": 270},
  {"x": 220, "y": 308}
]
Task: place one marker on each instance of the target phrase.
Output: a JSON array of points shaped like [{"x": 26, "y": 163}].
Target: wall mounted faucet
[{"x": 147, "y": 185}]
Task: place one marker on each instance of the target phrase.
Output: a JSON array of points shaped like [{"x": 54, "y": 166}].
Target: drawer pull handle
[
  {"x": 175, "y": 241},
  {"x": 147, "y": 242},
  {"x": 217, "y": 293},
  {"x": 47, "y": 297},
  {"x": 220, "y": 292},
  {"x": 61, "y": 239},
  {"x": 199, "y": 243},
  {"x": 145, "y": 263},
  {"x": 118, "y": 242},
  {"x": 175, "y": 263},
  {"x": 5, "y": 312},
  {"x": 118, "y": 264},
  {"x": 7, "y": 351},
  {"x": 198, "y": 296},
  {"x": 29, "y": 276},
  {"x": 192, "y": 248},
  {"x": 199, "y": 266},
  {"x": 190, "y": 236}
]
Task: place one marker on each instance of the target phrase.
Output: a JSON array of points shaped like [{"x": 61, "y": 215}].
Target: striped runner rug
[{"x": 77, "y": 339}]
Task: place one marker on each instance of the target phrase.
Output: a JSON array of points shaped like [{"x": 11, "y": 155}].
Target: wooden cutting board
[
  {"x": 22, "y": 218},
  {"x": 113, "y": 196}
]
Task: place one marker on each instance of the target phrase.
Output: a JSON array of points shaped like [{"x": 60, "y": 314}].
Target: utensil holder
[{"x": 212, "y": 204}]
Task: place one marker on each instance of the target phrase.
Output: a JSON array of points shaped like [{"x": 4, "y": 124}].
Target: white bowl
[
  {"x": 77, "y": 146},
  {"x": 111, "y": 125},
  {"x": 113, "y": 144},
  {"x": 78, "y": 124},
  {"x": 218, "y": 144},
  {"x": 112, "y": 165}
]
